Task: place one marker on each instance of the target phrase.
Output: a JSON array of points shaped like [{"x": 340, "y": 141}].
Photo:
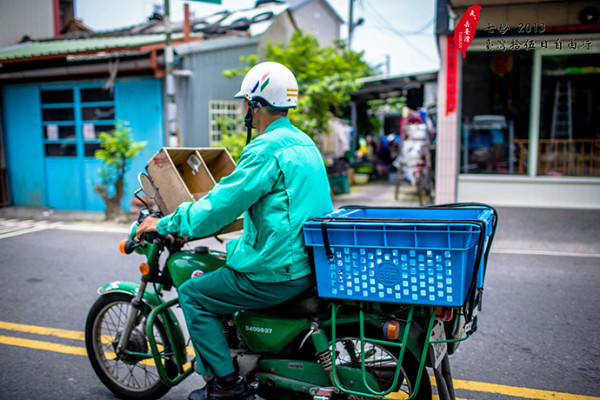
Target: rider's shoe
[{"x": 213, "y": 391}]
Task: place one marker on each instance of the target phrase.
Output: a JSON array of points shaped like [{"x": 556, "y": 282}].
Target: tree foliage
[
  {"x": 234, "y": 143},
  {"x": 117, "y": 149},
  {"x": 326, "y": 76}
]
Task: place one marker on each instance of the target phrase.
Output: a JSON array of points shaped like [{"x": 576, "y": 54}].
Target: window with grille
[
  {"x": 225, "y": 116},
  {"x": 72, "y": 119}
]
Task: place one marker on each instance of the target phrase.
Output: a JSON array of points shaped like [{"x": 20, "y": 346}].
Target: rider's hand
[{"x": 147, "y": 225}]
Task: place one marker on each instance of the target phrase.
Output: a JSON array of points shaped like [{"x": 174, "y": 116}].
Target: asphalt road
[
  {"x": 538, "y": 337},
  {"x": 49, "y": 279}
]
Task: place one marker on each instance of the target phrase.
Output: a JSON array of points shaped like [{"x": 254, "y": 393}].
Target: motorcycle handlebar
[{"x": 127, "y": 246}]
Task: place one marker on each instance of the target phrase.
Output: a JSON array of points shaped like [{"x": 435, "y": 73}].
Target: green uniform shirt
[{"x": 278, "y": 183}]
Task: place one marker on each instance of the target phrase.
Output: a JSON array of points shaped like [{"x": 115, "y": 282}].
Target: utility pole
[
  {"x": 351, "y": 24},
  {"x": 170, "y": 81},
  {"x": 387, "y": 64}
]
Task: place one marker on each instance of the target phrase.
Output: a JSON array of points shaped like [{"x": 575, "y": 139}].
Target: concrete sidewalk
[
  {"x": 375, "y": 193},
  {"x": 520, "y": 230},
  {"x": 86, "y": 220},
  {"x": 525, "y": 230},
  {"x": 378, "y": 193}
]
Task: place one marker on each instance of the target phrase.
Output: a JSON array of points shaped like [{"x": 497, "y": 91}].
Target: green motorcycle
[{"x": 370, "y": 332}]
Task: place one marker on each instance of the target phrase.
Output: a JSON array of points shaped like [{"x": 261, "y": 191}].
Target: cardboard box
[{"x": 187, "y": 174}]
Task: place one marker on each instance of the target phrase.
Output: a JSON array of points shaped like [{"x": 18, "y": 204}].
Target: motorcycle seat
[{"x": 306, "y": 304}]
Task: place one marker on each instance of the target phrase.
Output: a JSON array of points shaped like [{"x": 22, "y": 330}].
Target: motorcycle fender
[
  {"x": 416, "y": 337},
  {"x": 152, "y": 300},
  {"x": 129, "y": 287}
]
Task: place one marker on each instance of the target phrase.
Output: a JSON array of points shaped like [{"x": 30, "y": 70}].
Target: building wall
[
  {"x": 315, "y": 18},
  {"x": 280, "y": 31},
  {"x": 531, "y": 189},
  {"x": 446, "y": 138},
  {"x": 520, "y": 191},
  {"x": 38, "y": 179},
  {"x": 25, "y": 17},
  {"x": 207, "y": 60}
]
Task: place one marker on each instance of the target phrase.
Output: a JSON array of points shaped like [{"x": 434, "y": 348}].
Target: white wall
[
  {"x": 25, "y": 17},
  {"x": 446, "y": 135},
  {"x": 520, "y": 191},
  {"x": 315, "y": 18}
]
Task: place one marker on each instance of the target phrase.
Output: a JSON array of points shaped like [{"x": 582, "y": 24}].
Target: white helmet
[{"x": 271, "y": 82}]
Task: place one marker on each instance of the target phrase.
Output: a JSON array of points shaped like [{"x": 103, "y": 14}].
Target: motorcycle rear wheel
[
  {"x": 128, "y": 377},
  {"x": 381, "y": 362}
]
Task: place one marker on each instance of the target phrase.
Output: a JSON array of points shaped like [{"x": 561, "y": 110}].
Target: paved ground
[{"x": 520, "y": 229}]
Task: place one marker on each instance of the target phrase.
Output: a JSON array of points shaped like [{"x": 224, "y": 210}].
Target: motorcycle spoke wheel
[
  {"x": 381, "y": 363},
  {"x": 128, "y": 376}
]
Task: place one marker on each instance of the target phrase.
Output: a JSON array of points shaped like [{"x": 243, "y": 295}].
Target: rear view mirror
[{"x": 146, "y": 185}]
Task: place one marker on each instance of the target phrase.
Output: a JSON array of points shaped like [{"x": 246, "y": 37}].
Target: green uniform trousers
[{"x": 205, "y": 299}]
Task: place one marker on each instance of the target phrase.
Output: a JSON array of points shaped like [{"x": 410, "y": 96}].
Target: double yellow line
[
  {"x": 41, "y": 345},
  {"x": 459, "y": 384}
]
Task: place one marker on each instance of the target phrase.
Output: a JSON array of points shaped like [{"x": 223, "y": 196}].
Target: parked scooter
[{"x": 306, "y": 348}]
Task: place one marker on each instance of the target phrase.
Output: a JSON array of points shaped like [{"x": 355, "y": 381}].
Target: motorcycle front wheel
[{"x": 127, "y": 376}]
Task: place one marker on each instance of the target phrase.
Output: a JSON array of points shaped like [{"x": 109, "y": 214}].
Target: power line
[{"x": 386, "y": 25}]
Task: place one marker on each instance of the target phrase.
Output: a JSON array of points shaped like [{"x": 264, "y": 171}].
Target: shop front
[{"x": 525, "y": 129}]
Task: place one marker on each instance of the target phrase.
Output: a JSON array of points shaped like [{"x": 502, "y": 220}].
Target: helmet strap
[
  {"x": 248, "y": 118},
  {"x": 248, "y": 123}
]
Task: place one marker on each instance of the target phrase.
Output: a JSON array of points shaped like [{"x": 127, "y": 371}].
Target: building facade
[
  {"x": 518, "y": 115},
  {"x": 58, "y": 94}
]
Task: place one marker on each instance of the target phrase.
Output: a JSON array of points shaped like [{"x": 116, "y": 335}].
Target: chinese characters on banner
[
  {"x": 515, "y": 44},
  {"x": 465, "y": 30},
  {"x": 462, "y": 38},
  {"x": 450, "y": 75}
]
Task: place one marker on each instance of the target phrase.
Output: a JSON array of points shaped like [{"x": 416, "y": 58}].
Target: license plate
[{"x": 439, "y": 349}]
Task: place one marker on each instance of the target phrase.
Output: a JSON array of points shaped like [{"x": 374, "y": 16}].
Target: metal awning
[
  {"x": 390, "y": 86},
  {"x": 61, "y": 48}
]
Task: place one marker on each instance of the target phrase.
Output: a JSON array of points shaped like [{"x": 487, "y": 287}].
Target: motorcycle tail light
[
  {"x": 144, "y": 269},
  {"x": 391, "y": 330},
  {"x": 444, "y": 314},
  {"x": 447, "y": 314}
]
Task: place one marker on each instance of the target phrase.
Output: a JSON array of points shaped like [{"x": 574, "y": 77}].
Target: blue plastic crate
[{"x": 399, "y": 255}]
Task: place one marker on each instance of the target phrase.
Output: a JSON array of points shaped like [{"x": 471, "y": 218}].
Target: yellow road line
[
  {"x": 61, "y": 333},
  {"x": 40, "y": 330},
  {"x": 402, "y": 396},
  {"x": 515, "y": 391},
  {"x": 459, "y": 384},
  {"x": 38, "y": 344}
]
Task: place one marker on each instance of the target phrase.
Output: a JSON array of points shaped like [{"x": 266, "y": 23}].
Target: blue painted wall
[
  {"x": 140, "y": 103},
  {"x": 24, "y": 148},
  {"x": 67, "y": 182}
]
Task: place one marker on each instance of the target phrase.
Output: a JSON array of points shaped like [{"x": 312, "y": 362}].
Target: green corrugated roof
[{"x": 72, "y": 46}]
